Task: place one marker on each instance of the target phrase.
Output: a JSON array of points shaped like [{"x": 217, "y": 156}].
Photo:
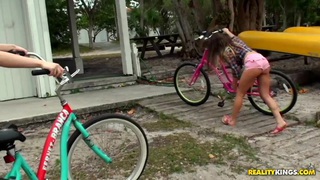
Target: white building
[{"x": 24, "y": 22}]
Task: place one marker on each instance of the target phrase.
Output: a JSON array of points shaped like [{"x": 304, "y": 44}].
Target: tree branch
[{"x": 86, "y": 8}]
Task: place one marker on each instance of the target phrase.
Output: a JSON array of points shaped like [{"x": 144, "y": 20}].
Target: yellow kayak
[
  {"x": 293, "y": 43},
  {"x": 312, "y": 29}
]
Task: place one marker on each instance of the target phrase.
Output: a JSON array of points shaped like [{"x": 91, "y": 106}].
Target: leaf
[
  {"x": 303, "y": 91},
  {"x": 211, "y": 156},
  {"x": 132, "y": 111}
]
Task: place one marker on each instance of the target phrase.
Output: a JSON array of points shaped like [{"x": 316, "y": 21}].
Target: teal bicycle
[{"x": 122, "y": 152}]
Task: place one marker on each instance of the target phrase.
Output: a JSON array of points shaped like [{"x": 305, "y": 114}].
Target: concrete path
[
  {"x": 34, "y": 109},
  {"x": 297, "y": 147},
  {"x": 250, "y": 123}
]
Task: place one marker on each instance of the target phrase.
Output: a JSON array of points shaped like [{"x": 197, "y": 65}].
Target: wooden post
[
  {"x": 74, "y": 36},
  {"x": 135, "y": 60},
  {"x": 124, "y": 37}
]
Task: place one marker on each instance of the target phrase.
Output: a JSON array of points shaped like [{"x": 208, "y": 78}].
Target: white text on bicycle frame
[{"x": 57, "y": 127}]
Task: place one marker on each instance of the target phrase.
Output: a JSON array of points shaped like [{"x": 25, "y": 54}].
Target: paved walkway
[
  {"x": 34, "y": 109},
  {"x": 250, "y": 123},
  {"x": 296, "y": 147}
]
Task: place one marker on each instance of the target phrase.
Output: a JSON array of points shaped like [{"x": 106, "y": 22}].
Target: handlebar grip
[
  {"x": 40, "y": 72},
  {"x": 21, "y": 53}
]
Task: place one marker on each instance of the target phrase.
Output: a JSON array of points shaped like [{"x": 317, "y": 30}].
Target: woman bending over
[{"x": 229, "y": 48}]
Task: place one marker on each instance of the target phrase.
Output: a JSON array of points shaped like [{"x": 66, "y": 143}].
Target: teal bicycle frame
[
  {"x": 21, "y": 163},
  {"x": 63, "y": 121}
]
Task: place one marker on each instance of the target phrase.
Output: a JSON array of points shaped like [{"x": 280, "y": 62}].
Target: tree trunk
[
  {"x": 250, "y": 14},
  {"x": 284, "y": 15},
  {"x": 141, "y": 7},
  {"x": 90, "y": 36},
  {"x": 184, "y": 28},
  {"x": 264, "y": 15},
  {"x": 217, "y": 9},
  {"x": 217, "y": 6},
  {"x": 195, "y": 5},
  {"x": 231, "y": 9},
  {"x": 260, "y": 14},
  {"x": 243, "y": 18},
  {"x": 253, "y": 12},
  {"x": 299, "y": 19}
]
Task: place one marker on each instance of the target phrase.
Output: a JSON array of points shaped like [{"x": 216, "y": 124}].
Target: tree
[
  {"x": 149, "y": 15},
  {"x": 250, "y": 14},
  {"x": 58, "y": 21},
  {"x": 238, "y": 15},
  {"x": 284, "y": 13},
  {"x": 96, "y": 15},
  {"x": 184, "y": 28}
]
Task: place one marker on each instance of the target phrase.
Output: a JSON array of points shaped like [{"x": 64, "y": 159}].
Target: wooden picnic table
[
  {"x": 268, "y": 28},
  {"x": 156, "y": 42}
]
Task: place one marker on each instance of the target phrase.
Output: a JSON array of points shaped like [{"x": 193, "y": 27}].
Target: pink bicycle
[{"x": 193, "y": 86}]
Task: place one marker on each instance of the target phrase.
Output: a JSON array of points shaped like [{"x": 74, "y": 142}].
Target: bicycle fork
[{"x": 90, "y": 144}]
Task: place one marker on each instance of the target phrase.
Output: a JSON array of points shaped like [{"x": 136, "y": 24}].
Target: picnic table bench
[
  {"x": 268, "y": 28},
  {"x": 157, "y": 43}
]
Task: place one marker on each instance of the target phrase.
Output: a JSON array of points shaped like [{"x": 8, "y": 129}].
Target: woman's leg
[
  {"x": 264, "y": 86},
  {"x": 246, "y": 81}
]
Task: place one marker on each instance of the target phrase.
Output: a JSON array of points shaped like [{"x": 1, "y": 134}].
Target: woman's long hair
[{"x": 216, "y": 46}]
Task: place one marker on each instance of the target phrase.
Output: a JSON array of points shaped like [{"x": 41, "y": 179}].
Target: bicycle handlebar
[
  {"x": 203, "y": 34},
  {"x": 66, "y": 77},
  {"x": 40, "y": 72}
]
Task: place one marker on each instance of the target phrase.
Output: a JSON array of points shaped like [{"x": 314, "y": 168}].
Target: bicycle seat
[{"x": 9, "y": 135}]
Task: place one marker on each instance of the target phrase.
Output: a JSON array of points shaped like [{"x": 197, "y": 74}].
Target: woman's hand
[
  {"x": 55, "y": 69},
  {"x": 19, "y": 49},
  {"x": 226, "y": 30}
]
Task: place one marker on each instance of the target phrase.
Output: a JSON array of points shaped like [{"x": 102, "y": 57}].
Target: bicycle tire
[
  {"x": 293, "y": 101},
  {"x": 182, "y": 94},
  {"x": 128, "y": 123}
]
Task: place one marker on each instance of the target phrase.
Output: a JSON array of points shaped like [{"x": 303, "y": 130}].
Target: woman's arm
[
  {"x": 235, "y": 83},
  {"x": 226, "y": 30},
  {"x": 12, "y": 47},
  {"x": 7, "y": 47},
  {"x": 10, "y": 60}
]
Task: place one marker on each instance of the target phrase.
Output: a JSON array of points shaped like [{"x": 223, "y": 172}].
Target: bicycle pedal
[{"x": 221, "y": 104}]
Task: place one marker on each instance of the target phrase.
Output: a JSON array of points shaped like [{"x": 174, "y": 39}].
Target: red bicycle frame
[{"x": 51, "y": 140}]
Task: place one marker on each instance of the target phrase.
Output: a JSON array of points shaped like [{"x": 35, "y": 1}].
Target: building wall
[
  {"x": 83, "y": 37},
  {"x": 25, "y": 23}
]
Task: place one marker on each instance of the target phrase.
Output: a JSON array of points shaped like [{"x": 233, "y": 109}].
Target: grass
[
  {"x": 166, "y": 123},
  {"x": 100, "y": 56},
  {"x": 312, "y": 123},
  {"x": 178, "y": 153},
  {"x": 67, "y": 49}
]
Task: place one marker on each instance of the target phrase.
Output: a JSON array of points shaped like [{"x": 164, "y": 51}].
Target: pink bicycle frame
[{"x": 222, "y": 73}]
